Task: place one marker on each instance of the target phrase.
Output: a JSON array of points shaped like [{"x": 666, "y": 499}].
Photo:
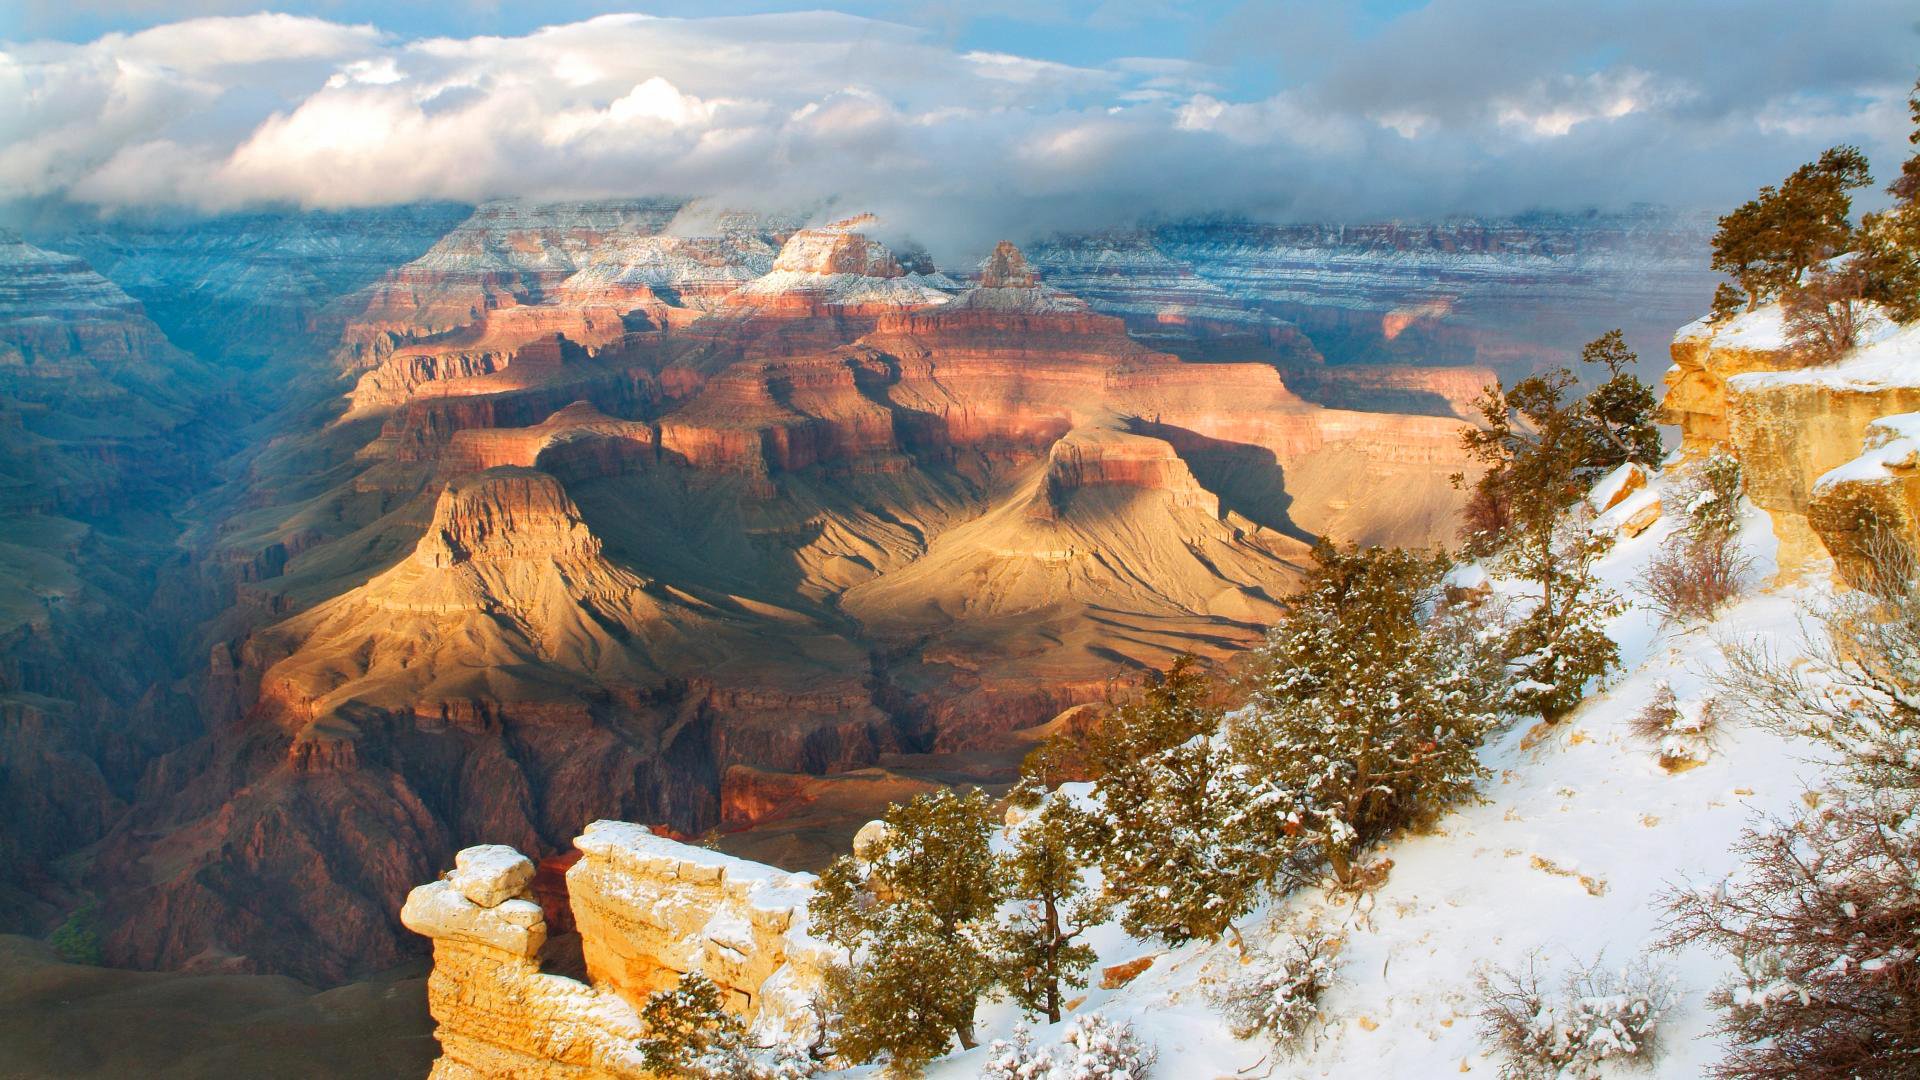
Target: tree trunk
[{"x": 1053, "y": 953}]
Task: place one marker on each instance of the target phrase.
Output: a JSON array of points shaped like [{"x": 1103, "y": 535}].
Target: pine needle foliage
[
  {"x": 1373, "y": 703},
  {"x": 915, "y": 919}
]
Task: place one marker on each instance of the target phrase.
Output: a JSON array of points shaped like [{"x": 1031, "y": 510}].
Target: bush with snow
[
  {"x": 1709, "y": 496},
  {"x": 1823, "y": 920},
  {"x": 1016, "y": 1059},
  {"x": 1823, "y": 925},
  {"x": 1682, "y": 729},
  {"x": 1279, "y": 993},
  {"x": 1691, "y": 579},
  {"x": 1096, "y": 1048},
  {"x": 1594, "y": 1017},
  {"x": 1092, "y": 1048}
]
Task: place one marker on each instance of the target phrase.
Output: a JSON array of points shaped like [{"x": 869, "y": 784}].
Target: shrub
[
  {"x": 1100, "y": 1049},
  {"x": 1016, "y": 1059},
  {"x": 1682, "y": 730},
  {"x": 1710, "y": 496},
  {"x": 77, "y": 939},
  {"x": 1854, "y": 687},
  {"x": 1823, "y": 315},
  {"x": 1823, "y": 917},
  {"x": 1821, "y": 924},
  {"x": 1692, "y": 581},
  {"x": 1279, "y": 994},
  {"x": 1540, "y": 1034}
]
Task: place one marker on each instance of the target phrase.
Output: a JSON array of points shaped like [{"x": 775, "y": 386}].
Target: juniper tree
[
  {"x": 901, "y": 999},
  {"x": 1171, "y": 708},
  {"x": 1370, "y": 711},
  {"x": 919, "y": 903},
  {"x": 1769, "y": 242},
  {"x": 1543, "y": 450},
  {"x": 1889, "y": 241},
  {"x": 1038, "y": 936},
  {"x": 691, "y": 1034},
  {"x": 1172, "y": 860}
]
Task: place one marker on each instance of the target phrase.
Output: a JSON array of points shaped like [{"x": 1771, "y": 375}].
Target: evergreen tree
[
  {"x": 1172, "y": 708},
  {"x": 1371, "y": 708},
  {"x": 1543, "y": 451},
  {"x": 1038, "y": 938},
  {"x": 913, "y": 917},
  {"x": 1769, "y": 242},
  {"x": 1890, "y": 240},
  {"x": 1173, "y": 861},
  {"x": 690, "y": 1034},
  {"x": 902, "y": 997},
  {"x": 1621, "y": 412}
]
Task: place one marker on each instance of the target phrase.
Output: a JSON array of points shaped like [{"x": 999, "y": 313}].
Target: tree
[
  {"x": 690, "y": 1034},
  {"x": 1168, "y": 799},
  {"x": 902, "y": 997},
  {"x": 1371, "y": 709},
  {"x": 1768, "y": 243},
  {"x": 1038, "y": 938},
  {"x": 1177, "y": 849},
  {"x": 919, "y": 904},
  {"x": 1173, "y": 707},
  {"x": 1543, "y": 451},
  {"x": 1621, "y": 411},
  {"x": 1889, "y": 241},
  {"x": 1561, "y": 644}
]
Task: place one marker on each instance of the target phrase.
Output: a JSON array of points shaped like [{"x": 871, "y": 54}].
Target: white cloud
[{"x": 814, "y": 108}]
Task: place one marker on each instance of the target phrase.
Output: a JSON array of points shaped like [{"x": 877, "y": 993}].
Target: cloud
[{"x": 1484, "y": 106}]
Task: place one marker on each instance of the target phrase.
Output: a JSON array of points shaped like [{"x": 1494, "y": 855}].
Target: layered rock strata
[
  {"x": 1789, "y": 419},
  {"x": 648, "y": 911}
]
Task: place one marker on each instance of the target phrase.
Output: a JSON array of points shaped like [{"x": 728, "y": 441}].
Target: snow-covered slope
[{"x": 1580, "y": 832}]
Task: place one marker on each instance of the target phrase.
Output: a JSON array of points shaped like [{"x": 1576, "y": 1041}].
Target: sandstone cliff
[
  {"x": 1792, "y": 421},
  {"x": 648, "y": 910}
]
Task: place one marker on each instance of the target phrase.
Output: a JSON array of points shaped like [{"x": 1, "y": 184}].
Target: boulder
[{"x": 490, "y": 874}]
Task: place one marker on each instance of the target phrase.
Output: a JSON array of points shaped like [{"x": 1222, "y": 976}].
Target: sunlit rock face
[
  {"x": 1819, "y": 444},
  {"x": 648, "y": 910}
]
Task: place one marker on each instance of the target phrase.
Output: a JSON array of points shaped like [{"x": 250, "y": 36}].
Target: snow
[
  {"x": 1607, "y": 491},
  {"x": 909, "y": 290},
  {"x": 1580, "y": 834},
  {"x": 1763, "y": 328},
  {"x": 1888, "y": 355},
  {"x": 1892, "y": 442}
]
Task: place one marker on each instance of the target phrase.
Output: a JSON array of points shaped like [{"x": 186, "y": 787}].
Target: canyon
[{"x": 521, "y": 516}]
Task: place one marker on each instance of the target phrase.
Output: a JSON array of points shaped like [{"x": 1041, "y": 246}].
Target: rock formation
[
  {"x": 648, "y": 910},
  {"x": 1793, "y": 422}
]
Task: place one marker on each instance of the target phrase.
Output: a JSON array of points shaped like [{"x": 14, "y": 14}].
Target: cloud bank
[{"x": 1461, "y": 106}]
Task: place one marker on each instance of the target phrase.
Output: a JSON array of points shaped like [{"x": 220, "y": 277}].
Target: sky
[{"x": 960, "y": 118}]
